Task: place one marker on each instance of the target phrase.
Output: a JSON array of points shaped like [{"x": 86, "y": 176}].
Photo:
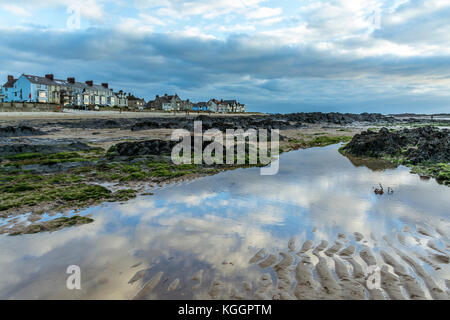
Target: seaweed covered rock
[
  {"x": 53, "y": 225},
  {"x": 376, "y": 144},
  {"x": 430, "y": 144},
  {"x": 274, "y": 121},
  {"x": 413, "y": 145},
  {"x": 140, "y": 148},
  {"x": 18, "y": 148},
  {"x": 18, "y": 131},
  {"x": 146, "y": 125}
]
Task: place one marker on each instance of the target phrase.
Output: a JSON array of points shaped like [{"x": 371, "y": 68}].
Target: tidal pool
[{"x": 218, "y": 223}]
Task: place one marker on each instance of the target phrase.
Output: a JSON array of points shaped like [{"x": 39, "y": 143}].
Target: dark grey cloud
[
  {"x": 278, "y": 78},
  {"x": 416, "y": 22}
]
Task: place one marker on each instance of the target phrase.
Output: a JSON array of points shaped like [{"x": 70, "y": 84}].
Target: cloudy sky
[{"x": 275, "y": 56}]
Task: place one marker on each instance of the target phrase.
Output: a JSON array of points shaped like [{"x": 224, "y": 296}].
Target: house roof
[
  {"x": 133, "y": 98},
  {"x": 230, "y": 101},
  {"x": 54, "y": 82},
  {"x": 202, "y": 103},
  {"x": 39, "y": 80},
  {"x": 168, "y": 98},
  {"x": 9, "y": 84}
]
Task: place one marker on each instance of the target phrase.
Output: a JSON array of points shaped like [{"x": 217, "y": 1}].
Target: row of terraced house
[
  {"x": 175, "y": 103},
  {"x": 30, "y": 88}
]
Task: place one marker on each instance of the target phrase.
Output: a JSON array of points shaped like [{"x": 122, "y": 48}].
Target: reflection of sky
[{"x": 217, "y": 219}]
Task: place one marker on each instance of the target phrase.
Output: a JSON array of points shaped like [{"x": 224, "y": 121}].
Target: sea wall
[{"x": 27, "y": 107}]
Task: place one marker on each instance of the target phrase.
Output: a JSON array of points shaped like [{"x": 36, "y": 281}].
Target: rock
[
  {"x": 147, "y": 147},
  {"x": 13, "y": 149},
  {"x": 416, "y": 145},
  {"x": 11, "y": 131}
]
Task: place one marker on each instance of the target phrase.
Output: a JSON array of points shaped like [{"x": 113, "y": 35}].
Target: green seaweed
[
  {"x": 328, "y": 140},
  {"x": 53, "y": 225}
]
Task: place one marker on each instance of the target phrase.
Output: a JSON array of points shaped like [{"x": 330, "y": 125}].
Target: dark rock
[
  {"x": 87, "y": 123},
  {"x": 146, "y": 125},
  {"x": 12, "y": 149},
  {"x": 111, "y": 124},
  {"x": 221, "y": 122},
  {"x": 416, "y": 145},
  {"x": 11, "y": 131},
  {"x": 148, "y": 147}
]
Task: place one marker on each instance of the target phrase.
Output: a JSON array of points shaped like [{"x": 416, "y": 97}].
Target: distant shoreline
[
  {"x": 78, "y": 114},
  {"x": 72, "y": 114},
  {"x": 417, "y": 115}
]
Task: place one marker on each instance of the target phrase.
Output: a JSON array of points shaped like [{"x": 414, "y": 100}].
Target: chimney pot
[
  {"x": 105, "y": 85},
  {"x": 71, "y": 80},
  {"x": 90, "y": 83},
  {"x": 49, "y": 76}
]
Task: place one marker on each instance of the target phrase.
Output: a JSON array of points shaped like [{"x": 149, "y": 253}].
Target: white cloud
[
  {"x": 15, "y": 9},
  {"x": 135, "y": 26},
  {"x": 264, "y": 12},
  {"x": 204, "y": 8},
  {"x": 192, "y": 32}
]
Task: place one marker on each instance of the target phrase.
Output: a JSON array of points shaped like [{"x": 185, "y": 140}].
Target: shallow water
[{"x": 218, "y": 223}]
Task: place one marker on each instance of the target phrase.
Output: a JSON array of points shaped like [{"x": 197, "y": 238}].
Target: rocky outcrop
[
  {"x": 19, "y": 131},
  {"x": 223, "y": 122},
  {"x": 413, "y": 145},
  {"x": 431, "y": 145},
  {"x": 140, "y": 148},
  {"x": 275, "y": 121},
  {"x": 376, "y": 144},
  {"x": 13, "y": 149},
  {"x": 336, "y": 117}
]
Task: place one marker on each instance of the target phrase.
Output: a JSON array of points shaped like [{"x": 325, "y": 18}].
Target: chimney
[
  {"x": 165, "y": 95},
  {"x": 10, "y": 78},
  {"x": 49, "y": 76},
  {"x": 90, "y": 83},
  {"x": 157, "y": 96},
  {"x": 71, "y": 80},
  {"x": 105, "y": 85}
]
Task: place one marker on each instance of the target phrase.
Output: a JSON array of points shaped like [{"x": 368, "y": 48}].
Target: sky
[{"x": 274, "y": 56}]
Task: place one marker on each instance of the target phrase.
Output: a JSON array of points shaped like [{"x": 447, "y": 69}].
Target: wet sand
[{"x": 328, "y": 271}]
